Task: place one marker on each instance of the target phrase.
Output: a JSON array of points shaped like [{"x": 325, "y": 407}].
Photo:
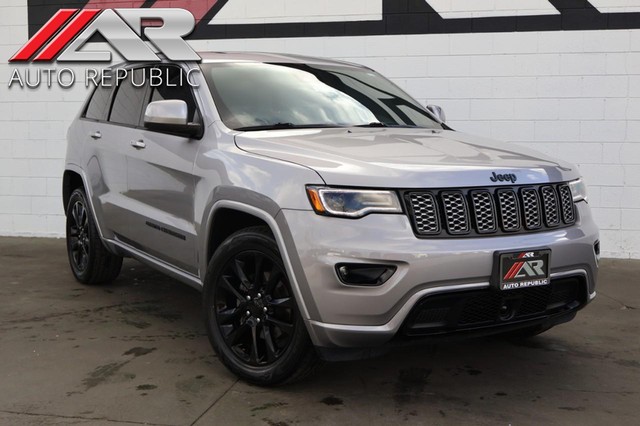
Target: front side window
[
  {"x": 253, "y": 96},
  {"x": 175, "y": 87}
]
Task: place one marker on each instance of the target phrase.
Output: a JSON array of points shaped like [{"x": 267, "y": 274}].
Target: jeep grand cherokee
[{"x": 323, "y": 212}]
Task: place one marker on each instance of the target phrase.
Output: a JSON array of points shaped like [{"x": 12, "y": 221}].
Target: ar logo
[
  {"x": 533, "y": 268},
  {"x": 69, "y": 29}
]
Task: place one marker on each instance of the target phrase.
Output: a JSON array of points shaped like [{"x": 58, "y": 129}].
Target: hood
[{"x": 405, "y": 158}]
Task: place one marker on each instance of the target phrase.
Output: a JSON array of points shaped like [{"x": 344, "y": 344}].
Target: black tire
[
  {"x": 262, "y": 340},
  {"x": 90, "y": 261}
]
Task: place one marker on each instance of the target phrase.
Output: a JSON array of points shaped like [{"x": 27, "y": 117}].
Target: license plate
[{"x": 521, "y": 269}]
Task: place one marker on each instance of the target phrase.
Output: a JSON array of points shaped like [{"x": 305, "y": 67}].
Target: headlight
[
  {"x": 352, "y": 203},
  {"x": 578, "y": 190}
]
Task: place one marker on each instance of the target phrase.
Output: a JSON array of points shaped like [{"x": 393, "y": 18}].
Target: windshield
[{"x": 257, "y": 96}]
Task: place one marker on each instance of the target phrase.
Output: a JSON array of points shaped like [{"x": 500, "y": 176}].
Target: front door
[{"x": 161, "y": 182}]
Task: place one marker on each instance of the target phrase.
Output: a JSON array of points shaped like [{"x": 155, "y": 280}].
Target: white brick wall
[
  {"x": 32, "y": 141},
  {"x": 574, "y": 95},
  {"x": 254, "y": 11}
]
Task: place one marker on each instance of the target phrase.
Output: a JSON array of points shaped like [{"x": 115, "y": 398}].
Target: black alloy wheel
[
  {"x": 79, "y": 237},
  {"x": 254, "y": 308},
  {"x": 252, "y": 317},
  {"x": 90, "y": 260}
]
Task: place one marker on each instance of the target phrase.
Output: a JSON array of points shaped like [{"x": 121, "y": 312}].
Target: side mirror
[
  {"x": 438, "y": 112},
  {"x": 170, "y": 116}
]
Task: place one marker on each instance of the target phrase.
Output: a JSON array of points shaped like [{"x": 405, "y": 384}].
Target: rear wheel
[
  {"x": 90, "y": 261},
  {"x": 251, "y": 314}
]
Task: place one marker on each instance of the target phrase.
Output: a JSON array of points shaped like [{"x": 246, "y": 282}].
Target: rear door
[
  {"x": 161, "y": 182},
  {"x": 116, "y": 135},
  {"x": 105, "y": 163}
]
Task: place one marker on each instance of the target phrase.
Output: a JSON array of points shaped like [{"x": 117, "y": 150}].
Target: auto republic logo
[
  {"x": 526, "y": 269},
  {"x": 130, "y": 32}
]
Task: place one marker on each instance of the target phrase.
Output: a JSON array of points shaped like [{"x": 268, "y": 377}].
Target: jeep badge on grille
[{"x": 507, "y": 177}]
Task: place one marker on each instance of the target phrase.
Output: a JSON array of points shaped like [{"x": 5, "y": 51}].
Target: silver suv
[{"x": 323, "y": 212}]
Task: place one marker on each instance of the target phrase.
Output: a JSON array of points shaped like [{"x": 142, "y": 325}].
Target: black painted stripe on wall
[{"x": 399, "y": 17}]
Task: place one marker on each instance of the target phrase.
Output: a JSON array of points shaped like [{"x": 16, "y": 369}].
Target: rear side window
[
  {"x": 127, "y": 105},
  {"x": 99, "y": 104}
]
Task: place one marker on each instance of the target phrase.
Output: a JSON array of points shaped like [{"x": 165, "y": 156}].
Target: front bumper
[{"x": 345, "y": 316}]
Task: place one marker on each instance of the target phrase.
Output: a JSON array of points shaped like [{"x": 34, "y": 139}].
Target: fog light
[
  {"x": 364, "y": 274},
  {"x": 596, "y": 250}
]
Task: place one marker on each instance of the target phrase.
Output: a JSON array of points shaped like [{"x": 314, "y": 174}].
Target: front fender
[{"x": 269, "y": 212}]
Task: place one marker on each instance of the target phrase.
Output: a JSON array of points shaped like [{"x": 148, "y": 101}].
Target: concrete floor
[{"x": 135, "y": 352}]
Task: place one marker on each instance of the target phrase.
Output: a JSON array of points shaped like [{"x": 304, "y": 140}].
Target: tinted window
[
  {"x": 270, "y": 94},
  {"x": 175, "y": 87},
  {"x": 127, "y": 105},
  {"x": 99, "y": 104}
]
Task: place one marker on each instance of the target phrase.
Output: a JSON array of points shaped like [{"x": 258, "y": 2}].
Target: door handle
[
  {"x": 138, "y": 144},
  {"x": 96, "y": 135}
]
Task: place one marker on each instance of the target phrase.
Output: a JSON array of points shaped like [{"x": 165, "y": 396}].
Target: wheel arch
[
  {"x": 225, "y": 222},
  {"x": 260, "y": 216},
  {"x": 74, "y": 177},
  {"x": 71, "y": 180}
]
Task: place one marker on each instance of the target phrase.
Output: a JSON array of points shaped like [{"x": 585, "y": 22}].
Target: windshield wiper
[
  {"x": 374, "y": 124},
  {"x": 278, "y": 126}
]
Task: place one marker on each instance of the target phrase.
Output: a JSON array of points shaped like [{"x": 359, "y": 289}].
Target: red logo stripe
[
  {"x": 512, "y": 272},
  {"x": 509, "y": 272},
  {"x": 517, "y": 271},
  {"x": 41, "y": 37},
  {"x": 67, "y": 34}
]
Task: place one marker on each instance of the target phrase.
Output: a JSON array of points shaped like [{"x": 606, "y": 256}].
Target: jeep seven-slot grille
[{"x": 486, "y": 211}]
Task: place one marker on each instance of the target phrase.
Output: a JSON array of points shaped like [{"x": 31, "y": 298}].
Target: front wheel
[
  {"x": 90, "y": 261},
  {"x": 252, "y": 318}
]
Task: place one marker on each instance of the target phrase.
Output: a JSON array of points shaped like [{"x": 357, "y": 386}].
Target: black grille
[
  {"x": 455, "y": 212},
  {"x": 431, "y": 316},
  {"x": 561, "y": 295},
  {"x": 486, "y": 307},
  {"x": 535, "y": 300},
  {"x": 550, "y": 206},
  {"x": 480, "y": 308},
  {"x": 531, "y": 207},
  {"x": 425, "y": 213},
  {"x": 484, "y": 211},
  {"x": 566, "y": 201},
  {"x": 490, "y": 211},
  {"x": 509, "y": 210},
  {"x": 449, "y": 312}
]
